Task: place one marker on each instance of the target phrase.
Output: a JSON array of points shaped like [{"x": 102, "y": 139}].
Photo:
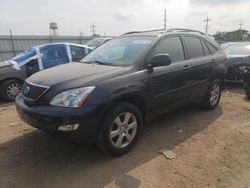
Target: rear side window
[
  {"x": 77, "y": 52},
  {"x": 171, "y": 46},
  {"x": 194, "y": 47},
  {"x": 211, "y": 48},
  {"x": 206, "y": 50}
]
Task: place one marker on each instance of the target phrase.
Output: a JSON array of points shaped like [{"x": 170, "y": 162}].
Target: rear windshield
[
  {"x": 238, "y": 49},
  {"x": 25, "y": 55}
]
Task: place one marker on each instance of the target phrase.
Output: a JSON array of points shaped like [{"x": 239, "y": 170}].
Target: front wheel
[
  {"x": 213, "y": 95},
  {"x": 120, "y": 129},
  {"x": 10, "y": 89}
]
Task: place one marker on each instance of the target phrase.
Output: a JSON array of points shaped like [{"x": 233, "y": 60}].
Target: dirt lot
[{"x": 212, "y": 150}]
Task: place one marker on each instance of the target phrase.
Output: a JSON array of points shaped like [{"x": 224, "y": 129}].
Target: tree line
[{"x": 232, "y": 36}]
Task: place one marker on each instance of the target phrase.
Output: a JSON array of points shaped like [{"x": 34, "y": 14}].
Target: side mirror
[{"x": 160, "y": 60}]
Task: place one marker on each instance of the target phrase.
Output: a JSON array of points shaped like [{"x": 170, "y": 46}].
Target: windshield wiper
[{"x": 101, "y": 63}]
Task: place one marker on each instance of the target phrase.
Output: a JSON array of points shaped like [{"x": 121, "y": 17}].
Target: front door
[
  {"x": 31, "y": 67},
  {"x": 168, "y": 84}
]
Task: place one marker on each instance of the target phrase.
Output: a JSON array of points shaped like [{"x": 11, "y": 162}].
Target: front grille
[{"x": 32, "y": 92}]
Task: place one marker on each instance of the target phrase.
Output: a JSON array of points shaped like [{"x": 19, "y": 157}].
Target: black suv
[{"x": 108, "y": 97}]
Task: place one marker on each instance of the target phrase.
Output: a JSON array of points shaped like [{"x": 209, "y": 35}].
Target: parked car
[
  {"x": 97, "y": 42},
  {"x": 238, "y": 55},
  {"x": 108, "y": 97},
  {"x": 225, "y": 45},
  {"x": 14, "y": 71}
]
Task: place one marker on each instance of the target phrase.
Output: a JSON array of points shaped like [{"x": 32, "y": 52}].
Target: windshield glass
[
  {"x": 119, "y": 51},
  {"x": 239, "y": 49},
  {"x": 25, "y": 55},
  {"x": 95, "y": 42}
]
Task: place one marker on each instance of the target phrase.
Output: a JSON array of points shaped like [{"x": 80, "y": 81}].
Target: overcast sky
[{"x": 118, "y": 16}]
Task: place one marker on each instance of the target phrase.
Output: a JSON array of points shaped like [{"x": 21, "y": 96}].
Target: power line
[
  {"x": 206, "y": 27},
  {"x": 93, "y": 30}
]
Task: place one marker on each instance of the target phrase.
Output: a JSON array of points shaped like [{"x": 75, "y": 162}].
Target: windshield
[
  {"x": 119, "y": 51},
  {"x": 225, "y": 45},
  {"x": 95, "y": 42},
  {"x": 238, "y": 49},
  {"x": 25, "y": 55}
]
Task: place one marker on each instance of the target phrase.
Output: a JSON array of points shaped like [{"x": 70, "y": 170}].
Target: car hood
[
  {"x": 73, "y": 74},
  {"x": 4, "y": 64}
]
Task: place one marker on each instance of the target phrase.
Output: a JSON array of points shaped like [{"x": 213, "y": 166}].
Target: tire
[
  {"x": 213, "y": 95},
  {"x": 10, "y": 89},
  {"x": 125, "y": 135},
  {"x": 247, "y": 89}
]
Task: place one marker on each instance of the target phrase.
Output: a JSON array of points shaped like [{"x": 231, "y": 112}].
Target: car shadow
[
  {"x": 236, "y": 88},
  {"x": 5, "y": 104},
  {"x": 39, "y": 160}
]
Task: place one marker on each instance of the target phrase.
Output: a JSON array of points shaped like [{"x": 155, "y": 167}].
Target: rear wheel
[
  {"x": 213, "y": 95},
  {"x": 10, "y": 89},
  {"x": 120, "y": 129},
  {"x": 247, "y": 89}
]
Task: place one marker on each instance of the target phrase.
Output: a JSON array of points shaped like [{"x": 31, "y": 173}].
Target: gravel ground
[{"x": 212, "y": 150}]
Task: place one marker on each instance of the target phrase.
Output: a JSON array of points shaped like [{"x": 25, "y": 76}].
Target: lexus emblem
[{"x": 26, "y": 91}]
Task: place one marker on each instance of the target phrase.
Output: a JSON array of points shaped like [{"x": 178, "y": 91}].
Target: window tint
[
  {"x": 211, "y": 48},
  {"x": 77, "y": 52},
  {"x": 53, "y": 55},
  {"x": 194, "y": 47},
  {"x": 206, "y": 50},
  {"x": 171, "y": 46}
]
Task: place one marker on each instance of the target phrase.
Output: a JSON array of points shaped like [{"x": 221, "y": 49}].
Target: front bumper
[{"x": 48, "y": 118}]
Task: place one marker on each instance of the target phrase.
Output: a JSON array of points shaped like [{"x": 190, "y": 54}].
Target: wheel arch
[{"x": 133, "y": 98}]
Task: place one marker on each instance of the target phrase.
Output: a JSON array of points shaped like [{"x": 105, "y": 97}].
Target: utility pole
[
  {"x": 240, "y": 30},
  {"x": 12, "y": 42},
  {"x": 81, "y": 34},
  {"x": 207, "y": 21},
  {"x": 93, "y": 30},
  {"x": 165, "y": 19}
]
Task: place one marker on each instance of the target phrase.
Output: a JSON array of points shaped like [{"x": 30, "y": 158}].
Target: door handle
[
  {"x": 213, "y": 61},
  {"x": 186, "y": 67}
]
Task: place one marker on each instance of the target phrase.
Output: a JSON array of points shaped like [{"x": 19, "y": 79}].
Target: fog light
[{"x": 68, "y": 127}]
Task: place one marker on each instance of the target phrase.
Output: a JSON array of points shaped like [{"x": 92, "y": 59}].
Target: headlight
[{"x": 72, "y": 98}]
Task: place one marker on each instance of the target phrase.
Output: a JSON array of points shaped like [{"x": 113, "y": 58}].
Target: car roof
[
  {"x": 158, "y": 32},
  {"x": 63, "y": 43},
  {"x": 179, "y": 31}
]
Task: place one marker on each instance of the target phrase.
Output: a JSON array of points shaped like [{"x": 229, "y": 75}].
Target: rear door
[
  {"x": 201, "y": 60},
  {"x": 168, "y": 84}
]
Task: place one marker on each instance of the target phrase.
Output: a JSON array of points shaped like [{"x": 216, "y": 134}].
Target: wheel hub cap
[
  {"x": 123, "y": 130},
  {"x": 13, "y": 90},
  {"x": 215, "y": 94}
]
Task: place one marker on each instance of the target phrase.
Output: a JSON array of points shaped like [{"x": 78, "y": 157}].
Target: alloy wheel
[
  {"x": 123, "y": 130},
  {"x": 215, "y": 94}
]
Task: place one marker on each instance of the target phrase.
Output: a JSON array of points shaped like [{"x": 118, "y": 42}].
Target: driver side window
[{"x": 171, "y": 46}]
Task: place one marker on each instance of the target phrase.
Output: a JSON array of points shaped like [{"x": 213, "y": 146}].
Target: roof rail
[
  {"x": 134, "y": 32},
  {"x": 184, "y": 30}
]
